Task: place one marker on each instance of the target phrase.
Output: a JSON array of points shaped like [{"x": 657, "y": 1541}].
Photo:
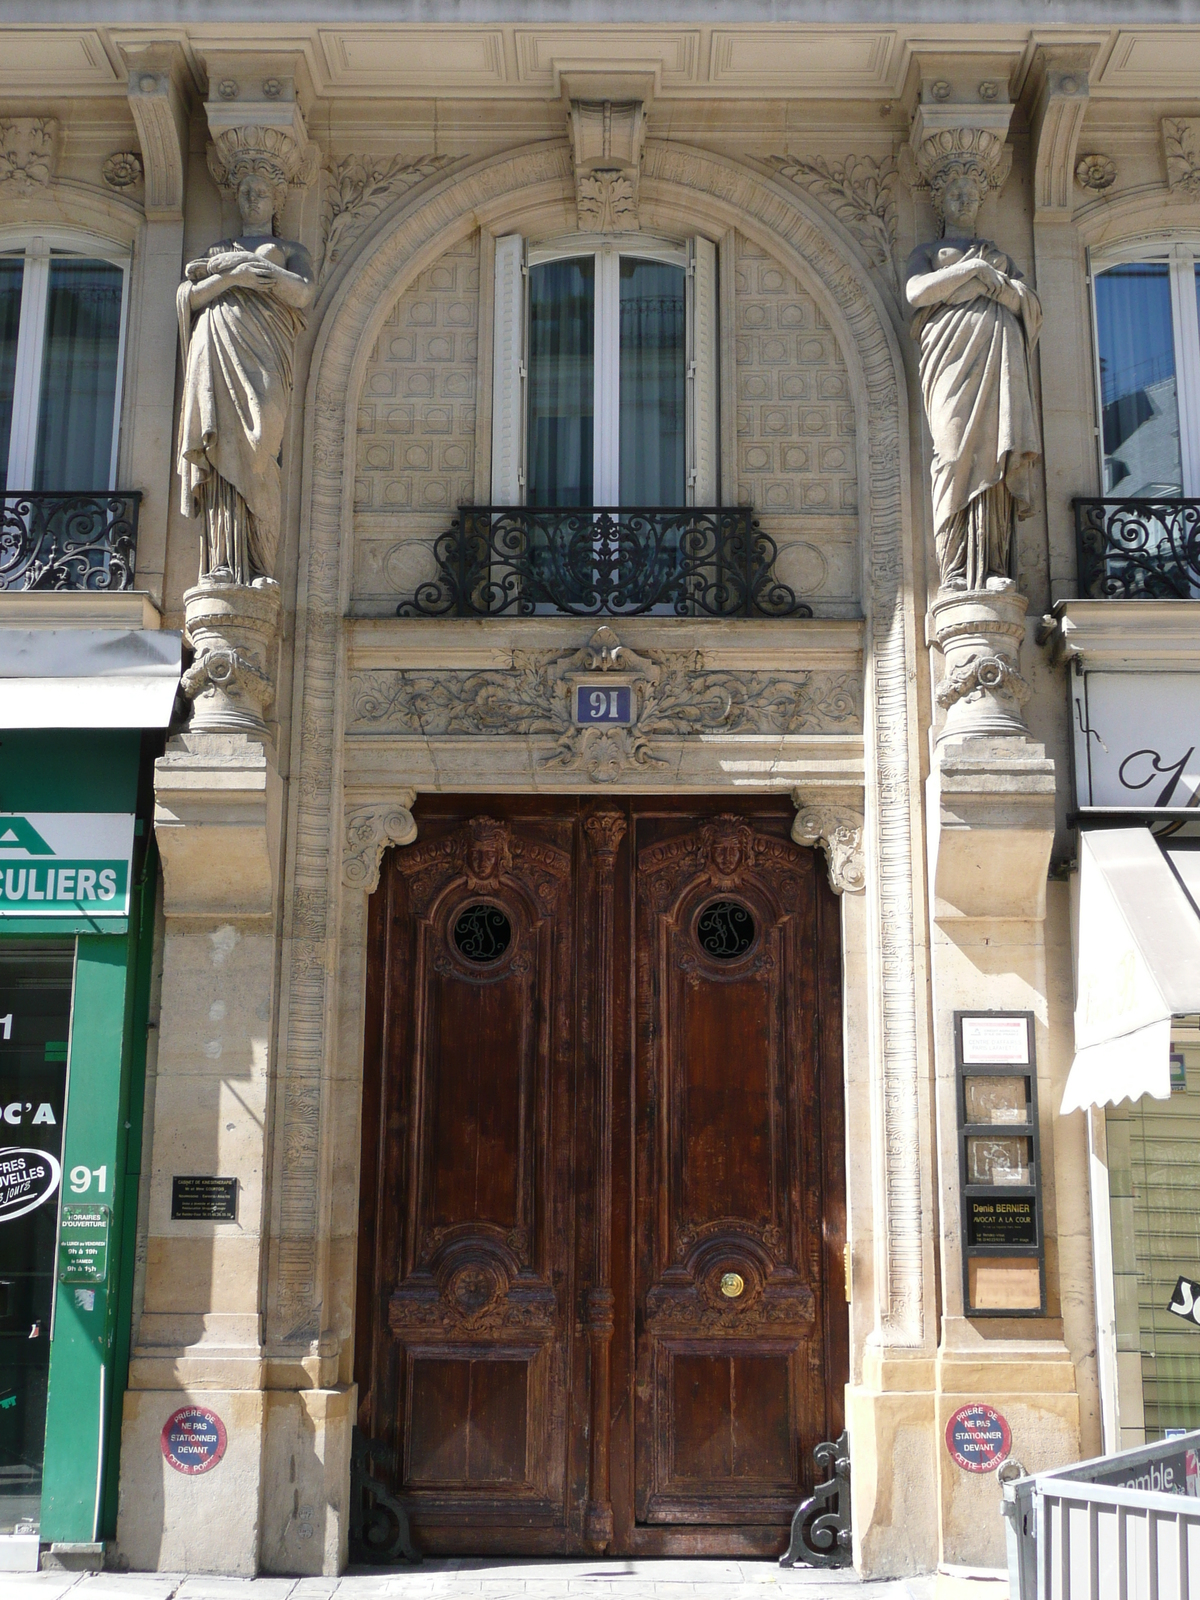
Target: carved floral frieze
[
  {"x": 359, "y": 188},
  {"x": 860, "y": 191},
  {"x": 673, "y": 696},
  {"x": 1181, "y": 148}
]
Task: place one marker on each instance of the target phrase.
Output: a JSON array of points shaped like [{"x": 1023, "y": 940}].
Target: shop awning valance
[
  {"x": 88, "y": 677},
  {"x": 1138, "y": 964}
]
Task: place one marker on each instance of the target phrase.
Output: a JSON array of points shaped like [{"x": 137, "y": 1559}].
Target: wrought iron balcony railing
[
  {"x": 68, "y": 541},
  {"x": 1138, "y": 549},
  {"x": 523, "y": 561}
]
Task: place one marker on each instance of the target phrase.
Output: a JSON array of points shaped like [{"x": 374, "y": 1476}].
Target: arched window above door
[{"x": 605, "y": 373}]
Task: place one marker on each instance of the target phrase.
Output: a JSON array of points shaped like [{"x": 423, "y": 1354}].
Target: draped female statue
[
  {"x": 240, "y": 308},
  {"x": 977, "y": 322}
]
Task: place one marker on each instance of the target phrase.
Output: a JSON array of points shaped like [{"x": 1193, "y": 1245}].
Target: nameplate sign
[
  {"x": 204, "y": 1199},
  {"x": 1005, "y": 1222}
]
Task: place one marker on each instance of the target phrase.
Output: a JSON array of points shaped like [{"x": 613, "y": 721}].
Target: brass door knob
[{"x": 732, "y": 1285}]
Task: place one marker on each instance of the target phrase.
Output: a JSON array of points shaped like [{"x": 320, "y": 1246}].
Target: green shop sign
[{"x": 65, "y": 863}]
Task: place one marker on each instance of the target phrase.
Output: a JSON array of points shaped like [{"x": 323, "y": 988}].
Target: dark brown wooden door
[{"x": 600, "y": 1282}]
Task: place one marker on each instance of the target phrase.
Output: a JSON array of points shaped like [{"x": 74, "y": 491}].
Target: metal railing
[
  {"x": 525, "y": 561},
  {"x": 1138, "y": 549},
  {"x": 1121, "y": 1527},
  {"x": 68, "y": 541}
]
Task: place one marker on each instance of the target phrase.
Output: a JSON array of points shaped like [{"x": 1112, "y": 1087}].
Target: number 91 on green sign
[{"x": 610, "y": 704}]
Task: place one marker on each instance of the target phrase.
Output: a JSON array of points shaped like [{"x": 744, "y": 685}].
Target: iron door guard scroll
[{"x": 821, "y": 1531}]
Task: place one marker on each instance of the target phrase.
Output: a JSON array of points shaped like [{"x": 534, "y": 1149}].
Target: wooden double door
[{"x": 600, "y": 1282}]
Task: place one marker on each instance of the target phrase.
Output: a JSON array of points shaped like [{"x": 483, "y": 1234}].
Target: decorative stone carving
[
  {"x": 28, "y": 152},
  {"x": 980, "y": 637},
  {"x": 838, "y": 830},
  {"x": 370, "y": 830},
  {"x": 1095, "y": 172},
  {"x": 358, "y": 188},
  {"x": 232, "y": 630},
  {"x": 860, "y": 191},
  {"x": 122, "y": 170},
  {"x": 976, "y": 322},
  {"x": 1180, "y": 147},
  {"x": 946, "y": 157},
  {"x": 607, "y": 138},
  {"x": 241, "y": 307},
  {"x": 672, "y": 696}
]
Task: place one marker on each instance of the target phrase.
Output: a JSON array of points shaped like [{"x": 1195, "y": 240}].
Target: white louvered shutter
[
  {"x": 703, "y": 437},
  {"x": 508, "y": 373}
]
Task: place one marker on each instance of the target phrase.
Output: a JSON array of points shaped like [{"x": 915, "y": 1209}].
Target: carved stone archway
[{"x": 324, "y": 911}]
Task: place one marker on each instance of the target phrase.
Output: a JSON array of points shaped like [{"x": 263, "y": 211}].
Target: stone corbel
[
  {"x": 157, "y": 104},
  {"x": 28, "y": 153},
  {"x": 1059, "y": 84},
  {"x": 828, "y": 821},
  {"x": 960, "y": 121},
  {"x": 255, "y": 107},
  {"x": 369, "y": 831},
  {"x": 607, "y": 122}
]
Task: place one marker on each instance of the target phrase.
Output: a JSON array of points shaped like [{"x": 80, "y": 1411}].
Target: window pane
[
  {"x": 11, "y": 272},
  {"x": 79, "y": 376},
  {"x": 561, "y": 339},
  {"x": 1137, "y": 380},
  {"x": 653, "y": 405}
]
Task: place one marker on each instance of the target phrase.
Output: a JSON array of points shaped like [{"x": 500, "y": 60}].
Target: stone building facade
[{"x": 355, "y": 700}]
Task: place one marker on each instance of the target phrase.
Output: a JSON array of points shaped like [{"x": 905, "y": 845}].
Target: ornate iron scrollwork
[
  {"x": 821, "y": 1531},
  {"x": 379, "y": 1531},
  {"x": 725, "y": 929},
  {"x": 1138, "y": 549},
  {"x": 524, "y": 561},
  {"x": 68, "y": 541},
  {"x": 482, "y": 933}
]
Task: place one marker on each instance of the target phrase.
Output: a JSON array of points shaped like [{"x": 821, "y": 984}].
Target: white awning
[
  {"x": 1138, "y": 965},
  {"x": 88, "y": 677}
]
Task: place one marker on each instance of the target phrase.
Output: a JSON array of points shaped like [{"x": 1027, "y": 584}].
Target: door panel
[
  {"x": 728, "y": 1272},
  {"x": 602, "y": 1213}
]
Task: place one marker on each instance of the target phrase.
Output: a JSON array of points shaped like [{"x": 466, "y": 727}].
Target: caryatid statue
[
  {"x": 977, "y": 322},
  {"x": 241, "y": 307}
]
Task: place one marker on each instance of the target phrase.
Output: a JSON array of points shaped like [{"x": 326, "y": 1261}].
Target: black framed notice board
[{"x": 999, "y": 1163}]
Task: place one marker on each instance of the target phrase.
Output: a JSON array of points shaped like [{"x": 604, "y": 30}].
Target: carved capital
[
  {"x": 257, "y": 123},
  {"x": 28, "y": 153},
  {"x": 1059, "y": 79},
  {"x": 604, "y": 830},
  {"x": 156, "y": 103},
  {"x": 838, "y": 829},
  {"x": 607, "y": 137},
  {"x": 233, "y": 629},
  {"x": 370, "y": 830}
]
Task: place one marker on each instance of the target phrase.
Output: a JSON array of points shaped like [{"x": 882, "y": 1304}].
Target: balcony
[
  {"x": 68, "y": 542},
  {"x": 1138, "y": 549},
  {"x": 691, "y": 561}
]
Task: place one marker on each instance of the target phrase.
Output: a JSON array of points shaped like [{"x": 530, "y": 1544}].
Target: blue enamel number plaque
[{"x": 612, "y": 704}]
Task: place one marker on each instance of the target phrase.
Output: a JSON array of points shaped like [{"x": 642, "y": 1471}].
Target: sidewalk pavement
[{"x": 512, "y": 1580}]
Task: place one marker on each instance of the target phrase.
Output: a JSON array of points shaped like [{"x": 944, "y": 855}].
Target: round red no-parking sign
[
  {"x": 978, "y": 1438},
  {"x": 193, "y": 1440}
]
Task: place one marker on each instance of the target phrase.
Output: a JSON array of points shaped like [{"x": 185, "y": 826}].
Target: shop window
[
  {"x": 1148, "y": 356},
  {"x": 61, "y": 332},
  {"x": 604, "y": 374},
  {"x": 1155, "y": 1209}
]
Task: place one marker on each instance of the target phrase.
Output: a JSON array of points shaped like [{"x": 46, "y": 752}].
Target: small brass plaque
[{"x": 732, "y": 1285}]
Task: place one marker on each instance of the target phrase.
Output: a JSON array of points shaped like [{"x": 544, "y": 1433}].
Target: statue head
[
  {"x": 957, "y": 200},
  {"x": 260, "y": 199}
]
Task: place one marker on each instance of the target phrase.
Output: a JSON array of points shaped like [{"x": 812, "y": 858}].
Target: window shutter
[
  {"x": 703, "y": 446},
  {"x": 508, "y": 373}
]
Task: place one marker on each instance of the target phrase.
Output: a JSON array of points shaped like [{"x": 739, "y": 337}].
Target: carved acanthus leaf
[
  {"x": 28, "y": 152},
  {"x": 860, "y": 191},
  {"x": 1180, "y": 147},
  {"x": 370, "y": 830},
  {"x": 358, "y": 188},
  {"x": 838, "y": 830}
]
